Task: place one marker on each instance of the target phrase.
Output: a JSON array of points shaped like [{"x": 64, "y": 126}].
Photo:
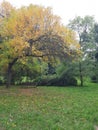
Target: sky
[{"x": 66, "y": 9}]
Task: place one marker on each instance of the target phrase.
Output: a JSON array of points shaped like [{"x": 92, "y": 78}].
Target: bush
[
  {"x": 94, "y": 79},
  {"x": 2, "y": 80},
  {"x": 64, "y": 80}
]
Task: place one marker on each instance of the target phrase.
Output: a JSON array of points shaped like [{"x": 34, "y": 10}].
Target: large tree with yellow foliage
[{"x": 32, "y": 31}]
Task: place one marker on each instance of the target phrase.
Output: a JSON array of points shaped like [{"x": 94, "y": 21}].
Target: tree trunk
[
  {"x": 81, "y": 75},
  {"x": 9, "y": 74}
]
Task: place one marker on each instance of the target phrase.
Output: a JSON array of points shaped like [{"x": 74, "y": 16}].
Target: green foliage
[
  {"x": 95, "y": 31},
  {"x": 51, "y": 70},
  {"x": 26, "y": 72},
  {"x": 53, "y": 108},
  {"x": 1, "y": 80},
  {"x": 94, "y": 76},
  {"x": 84, "y": 27},
  {"x": 65, "y": 75},
  {"x": 65, "y": 80}
]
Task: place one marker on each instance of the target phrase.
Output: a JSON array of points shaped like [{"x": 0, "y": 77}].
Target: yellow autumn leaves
[{"x": 32, "y": 22}]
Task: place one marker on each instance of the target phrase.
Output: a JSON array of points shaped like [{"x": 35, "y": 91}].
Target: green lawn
[{"x": 49, "y": 108}]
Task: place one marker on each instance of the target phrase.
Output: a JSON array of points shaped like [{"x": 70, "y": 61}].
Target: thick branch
[{"x": 13, "y": 62}]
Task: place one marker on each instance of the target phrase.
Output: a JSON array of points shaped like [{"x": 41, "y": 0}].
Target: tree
[
  {"x": 84, "y": 29},
  {"x": 95, "y": 54},
  {"x": 34, "y": 31}
]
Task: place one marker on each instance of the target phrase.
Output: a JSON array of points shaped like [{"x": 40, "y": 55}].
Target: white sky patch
[{"x": 66, "y": 9}]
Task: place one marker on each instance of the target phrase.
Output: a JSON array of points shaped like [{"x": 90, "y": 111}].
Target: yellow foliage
[{"x": 30, "y": 23}]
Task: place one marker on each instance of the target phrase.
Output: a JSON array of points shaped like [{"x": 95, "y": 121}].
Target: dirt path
[
  {"x": 27, "y": 91},
  {"x": 19, "y": 91}
]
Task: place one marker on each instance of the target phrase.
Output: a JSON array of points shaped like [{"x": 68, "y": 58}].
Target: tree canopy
[{"x": 33, "y": 31}]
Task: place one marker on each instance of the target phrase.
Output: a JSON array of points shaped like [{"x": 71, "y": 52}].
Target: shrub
[
  {"x": 94, "y": 79},
  {"x": 64, "y": 80}
]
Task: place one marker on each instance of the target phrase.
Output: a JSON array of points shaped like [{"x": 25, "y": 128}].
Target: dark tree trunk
[
  {"x": 9, "y": 76},
  {"x": 81, "y": 75},
  {"x": 9, "y": 73}
]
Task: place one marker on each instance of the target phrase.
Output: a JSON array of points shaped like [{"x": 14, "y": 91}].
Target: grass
[{"x": 49, "y": 108}]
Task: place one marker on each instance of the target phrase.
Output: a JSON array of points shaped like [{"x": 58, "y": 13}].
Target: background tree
[
  {"x": 84, "y": 29},
  {"x": 95, "y": 54}
]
